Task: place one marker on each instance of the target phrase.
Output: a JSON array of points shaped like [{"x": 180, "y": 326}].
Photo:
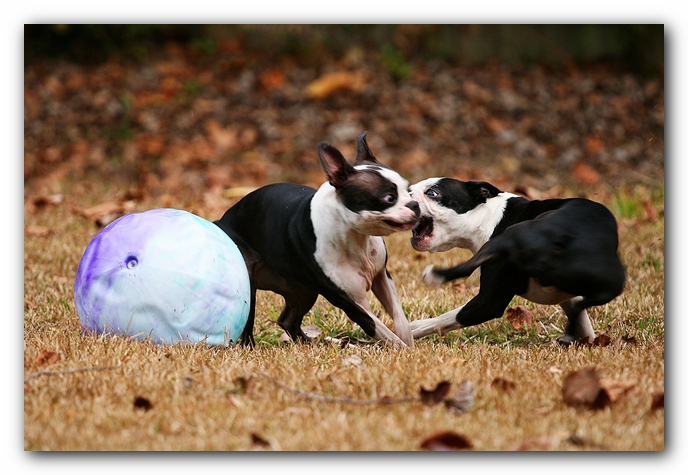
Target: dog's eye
[
  {"x": 389, "y": 198},
  {"x": 430, "y": 193}
]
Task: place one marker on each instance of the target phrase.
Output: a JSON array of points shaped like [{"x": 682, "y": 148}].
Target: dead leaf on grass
[
  {"x": 627, "y": 340},
  {"x": 462, "y": 400},
  {"x": 259, "y": 441},
  {"x": 657, "y": 401},
  {"x": 102, "y": 214},
  {"x": 47, "y": 358},
  {"x": 601, "y": 339},
  {"x": 446, "y": 441},
  {"x": 43, "y": 201},
  {"x": 430, "y": 397},
  {"x": 238, "y": 192},
  {"x": 503, "y": 384},
  {"x": 588, "y": 388},
  {"x": 585, "y": 174},
  {"x": 582, "y": 388},
  {"x": 143, "y": 404},
  {"x": 38, "y": 231},
  {"x": 616, "y": 389},
  {"x": 651, "y": 214},
  {"x": 244, "y": 385},
  {"x": 330, "y": 83},
  {"x": 520, "y": 317},
  {"x": 352, "y": 360},
  {"x": 541, "y": 443},
  {"x": 272, "y": 79}
]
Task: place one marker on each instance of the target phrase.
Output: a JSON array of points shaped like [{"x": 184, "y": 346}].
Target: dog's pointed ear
[
  {"x": 337, "y": 169},
  {"x": 482, "y": 189},
  {"x": 363, "y": 153}
]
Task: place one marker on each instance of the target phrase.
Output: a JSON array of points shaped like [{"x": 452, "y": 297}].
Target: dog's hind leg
[
  {"x": 384, "y": 289},
  {"x": 576, "y": 310},
  {"x": 297, "y": 300},
  {"x": 579, "y": 327},
  {"x": 297, "y": 304}
]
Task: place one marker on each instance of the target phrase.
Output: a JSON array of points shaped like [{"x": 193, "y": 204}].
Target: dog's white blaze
[
  {"x": 371, "y": 222},
  {"x": 468, "y": 230}
]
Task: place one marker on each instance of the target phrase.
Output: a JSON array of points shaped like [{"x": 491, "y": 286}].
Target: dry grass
[{"x": 198, "y": 401}]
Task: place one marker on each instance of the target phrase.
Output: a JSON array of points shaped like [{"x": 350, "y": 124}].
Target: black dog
[
  {"x": 556, "y": 251},
  {"x": 301, "y": 243}
]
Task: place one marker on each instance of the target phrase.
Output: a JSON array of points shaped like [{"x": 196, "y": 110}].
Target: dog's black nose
[{"x": 413, "y": 206}]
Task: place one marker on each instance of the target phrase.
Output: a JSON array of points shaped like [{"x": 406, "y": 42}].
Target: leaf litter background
[{"x": 185, "y": 122}]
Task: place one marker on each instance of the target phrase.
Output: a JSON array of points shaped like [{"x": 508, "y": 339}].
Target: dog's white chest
[{"x": 351, "y": 266}]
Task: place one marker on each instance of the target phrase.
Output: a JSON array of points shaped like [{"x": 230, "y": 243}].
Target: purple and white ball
[{"x": 166, "y": 274}]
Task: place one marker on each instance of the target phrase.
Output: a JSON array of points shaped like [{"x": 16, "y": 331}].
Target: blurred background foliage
[{"x": 637, "y": 47}]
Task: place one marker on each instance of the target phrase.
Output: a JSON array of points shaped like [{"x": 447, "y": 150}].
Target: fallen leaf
[
  {"x": 520, "y": 317},
  {"x": 258, "y": 440},
  {"x": 235, "y": 401},
  {"x": 628, "y": 340},
  {"x": 585, "y": 174},
  {"x": 541, "y": 443},
  {"x": 446, "y": 441},
  {"x": 142, "y": 403},
  {"x": 462, "y": 400},
  {"x": 651, "y": 214},
  {"x": 225, "y": 138},
  {"x": 593, "y": 145},
  {"x": 430, "y": 397},
  {"x": 238, "y": 192},
  {"x": 243, "y": 385},
  {"x": 39, "y": 231},
  {"x": 657, "y": 401},
  {"x": 582, "y": 388},
  {"x": 311, "y": 331},
  {"x": 330, "y": 83},
  {"x": 588, "y": 388},
  {"x": 352, "y": 360},
  {"x": 601, "y": 340},
  {"x": 616, "y": 389},
  {"x": 43, "y": 201},
  {"x": 284, "y": 338},
  {"x": 102, "y": 211},
  {"x": 272, "y": 79},
  {"x": 503, "y": 384},
  {"x": 47, "y": 358},
  {"x": 107, "y": 219}
]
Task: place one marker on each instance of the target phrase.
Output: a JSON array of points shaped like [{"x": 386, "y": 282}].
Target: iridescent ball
[{"x": 163, "y": 274}]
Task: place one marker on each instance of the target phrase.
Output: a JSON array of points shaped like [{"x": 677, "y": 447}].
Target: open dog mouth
[
  {"x": 400, "y": 226},
  {"x": 422, "y": 231}
]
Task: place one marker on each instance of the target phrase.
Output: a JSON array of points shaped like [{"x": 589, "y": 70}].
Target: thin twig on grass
[
  {"x": 68, "y": 371},
  {"x": 317, "y": 397}
]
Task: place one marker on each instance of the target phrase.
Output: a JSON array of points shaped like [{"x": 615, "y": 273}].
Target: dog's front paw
[{"x": 431, "y": 278}]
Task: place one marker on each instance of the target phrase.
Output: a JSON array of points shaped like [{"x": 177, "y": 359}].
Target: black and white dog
[
  {"x": 300, "y": 242},
  {"x": 554, "y": 251}
]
